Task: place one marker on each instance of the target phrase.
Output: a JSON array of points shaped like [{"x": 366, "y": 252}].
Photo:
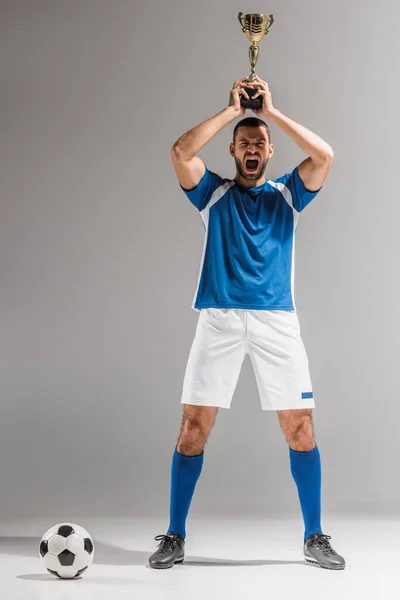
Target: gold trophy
[{"x": 255, "y": 26}]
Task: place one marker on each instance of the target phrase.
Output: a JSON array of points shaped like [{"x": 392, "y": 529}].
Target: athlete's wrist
[
  {"x": 270, "y": 114},
  {"x": 231, "y": 112}
]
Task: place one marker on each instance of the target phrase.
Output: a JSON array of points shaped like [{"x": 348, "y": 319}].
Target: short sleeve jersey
[{"x": 248, "y": 254}]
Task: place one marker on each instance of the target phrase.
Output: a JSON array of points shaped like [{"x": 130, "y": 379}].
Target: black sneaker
[
  {"x": 171, "y": 550},
  {"x": 317, "y": 549}
]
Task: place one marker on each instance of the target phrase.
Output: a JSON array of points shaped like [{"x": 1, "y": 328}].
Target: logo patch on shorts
[{"x": 306, "y": 395}]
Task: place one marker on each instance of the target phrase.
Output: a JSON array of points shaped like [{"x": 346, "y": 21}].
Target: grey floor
[{"x": 225, "y": 558}]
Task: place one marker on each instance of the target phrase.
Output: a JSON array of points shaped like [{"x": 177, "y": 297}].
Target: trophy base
[{"x": 257, "y": 103}]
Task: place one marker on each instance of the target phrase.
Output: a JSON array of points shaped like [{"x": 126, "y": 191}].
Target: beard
[{"x": 251, "y": 176}]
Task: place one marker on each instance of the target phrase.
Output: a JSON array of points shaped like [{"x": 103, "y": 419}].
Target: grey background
[{"x": 99, "y": 251}]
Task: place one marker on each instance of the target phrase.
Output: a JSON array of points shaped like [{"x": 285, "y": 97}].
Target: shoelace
[
  {"x": 320, "y": 540},
  {"x": 166, "y": 542}
]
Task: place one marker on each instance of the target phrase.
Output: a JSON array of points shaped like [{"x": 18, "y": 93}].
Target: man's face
[{"x": 251, "y": 152}]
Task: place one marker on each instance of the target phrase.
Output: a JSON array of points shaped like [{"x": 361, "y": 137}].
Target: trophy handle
[
  {"x": 240, "y": 17},
  {"x": 269, "y": 23}
]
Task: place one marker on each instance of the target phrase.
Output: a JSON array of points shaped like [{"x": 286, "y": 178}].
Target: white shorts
[{"x": 272, "y": 339}]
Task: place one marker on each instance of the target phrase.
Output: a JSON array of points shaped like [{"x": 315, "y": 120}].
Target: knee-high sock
[
  {"x": 306, "y": 471},
  {"x": 185, "y": 472}
]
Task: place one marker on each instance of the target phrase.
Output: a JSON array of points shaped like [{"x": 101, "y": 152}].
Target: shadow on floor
[{"x": 107, "y": 554}]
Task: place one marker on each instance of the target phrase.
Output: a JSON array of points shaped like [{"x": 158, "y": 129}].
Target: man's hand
[
  {"x": 263, "y": 90},
  {"x": 234, "y": 99}
]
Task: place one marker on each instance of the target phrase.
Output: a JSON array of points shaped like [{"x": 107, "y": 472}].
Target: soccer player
[{"x": 245, "y": 300}]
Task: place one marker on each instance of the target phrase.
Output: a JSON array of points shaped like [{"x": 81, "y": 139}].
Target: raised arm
[
  {"x": 314, "y": 169},
  {"x": 190, "y": 168}
]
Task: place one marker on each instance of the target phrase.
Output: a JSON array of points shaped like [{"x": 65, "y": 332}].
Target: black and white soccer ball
[{"x": 67, "y": 550}]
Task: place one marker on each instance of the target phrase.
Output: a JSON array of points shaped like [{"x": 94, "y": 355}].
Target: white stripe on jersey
[
  {"x": 287, "y": 194},
  {"x": 217, "y": 195}
]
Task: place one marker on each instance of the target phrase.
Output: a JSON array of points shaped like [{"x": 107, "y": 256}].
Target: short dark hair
[{"x": 251, "y": 122}]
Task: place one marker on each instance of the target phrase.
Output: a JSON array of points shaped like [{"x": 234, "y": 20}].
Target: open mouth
[{"x": 252, "y": 164}]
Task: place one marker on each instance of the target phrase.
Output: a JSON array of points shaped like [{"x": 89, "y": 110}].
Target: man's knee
[
  {"x": 195, "y": 429},
  {"x": 298, "y": 429},
  {"x": 192, "y": 437}
]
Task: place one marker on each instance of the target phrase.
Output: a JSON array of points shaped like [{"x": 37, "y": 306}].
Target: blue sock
[
  {"x": 306, "y": 471},
  {"x": 185, "y": 472}
]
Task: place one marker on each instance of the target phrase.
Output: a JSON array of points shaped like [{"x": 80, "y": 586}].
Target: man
[{"x": 245, "y": 298}]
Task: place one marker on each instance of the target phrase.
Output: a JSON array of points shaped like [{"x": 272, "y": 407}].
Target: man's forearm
[
  {"x": 308, "y": 141},
  {"x": 191, "y": 142}
]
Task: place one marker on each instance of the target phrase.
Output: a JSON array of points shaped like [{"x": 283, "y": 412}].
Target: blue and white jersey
[{"x": 248, "y": 253}]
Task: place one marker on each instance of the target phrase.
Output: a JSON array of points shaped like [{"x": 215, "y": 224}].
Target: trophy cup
[{"x": 255, "y": 26}]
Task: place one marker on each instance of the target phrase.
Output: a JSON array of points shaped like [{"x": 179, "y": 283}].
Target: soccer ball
[{"x": 67, "y": 550}]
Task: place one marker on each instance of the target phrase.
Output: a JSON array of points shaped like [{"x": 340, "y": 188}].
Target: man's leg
[
  {"x": 187, "y": 462},
  {"x": 305, "y": 464},
  {"x": 212, "y": 371}
]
